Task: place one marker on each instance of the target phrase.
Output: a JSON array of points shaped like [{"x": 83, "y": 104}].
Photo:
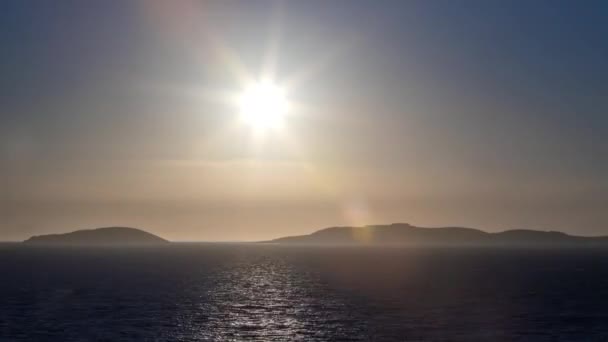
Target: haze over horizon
[{"x": 482, "y": 114}]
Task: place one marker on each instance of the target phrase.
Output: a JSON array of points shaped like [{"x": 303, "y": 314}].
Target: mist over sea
[{"x": 253, "y": 292}]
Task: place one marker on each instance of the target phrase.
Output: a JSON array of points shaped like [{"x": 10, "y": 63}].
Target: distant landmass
[
  {"x": 100, "y": 236},
  {"x": 405, "y": 234}
]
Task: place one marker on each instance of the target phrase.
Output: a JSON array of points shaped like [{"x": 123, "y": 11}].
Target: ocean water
[{"x": 206, "y": 292}]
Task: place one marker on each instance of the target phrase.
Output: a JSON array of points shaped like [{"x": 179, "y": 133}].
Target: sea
[{"x": 263, "y": 292}]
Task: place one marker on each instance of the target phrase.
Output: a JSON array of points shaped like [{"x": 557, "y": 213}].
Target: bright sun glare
[{"x": 263, "y": 105}]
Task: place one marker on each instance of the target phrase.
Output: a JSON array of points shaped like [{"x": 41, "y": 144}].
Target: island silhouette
[
  {"x": 397, "y": 234},
  {"x": 408, "y": 235},
  {"x": 100, "y": 236}
]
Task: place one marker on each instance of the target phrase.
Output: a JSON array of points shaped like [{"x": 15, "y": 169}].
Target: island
[
  {"x": 403, "y": 234},
  {"x": 100, "y": 236}
]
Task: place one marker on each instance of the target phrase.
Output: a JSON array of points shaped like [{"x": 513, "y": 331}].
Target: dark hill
[
  {"x": 405, "y": 234},
  {"x": 100, "y": 236}
]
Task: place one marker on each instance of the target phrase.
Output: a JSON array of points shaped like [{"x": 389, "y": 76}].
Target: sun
[{"x": 263, "y": 105}]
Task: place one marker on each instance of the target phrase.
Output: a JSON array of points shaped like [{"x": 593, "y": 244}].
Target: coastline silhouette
[
  {"x": 100, "y": 236},
  {"x": 403, "y": 234},
  {"x": 396, "y": 234}
]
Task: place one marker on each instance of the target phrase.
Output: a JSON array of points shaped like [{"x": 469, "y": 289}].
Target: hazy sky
[{"x": 488, "y": 114}]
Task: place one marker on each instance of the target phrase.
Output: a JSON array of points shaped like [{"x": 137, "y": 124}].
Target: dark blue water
[{"x": 274, "y": 293}]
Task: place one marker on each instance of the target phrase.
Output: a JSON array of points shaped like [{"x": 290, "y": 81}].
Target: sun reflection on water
[{"x": 258, "y": 300}]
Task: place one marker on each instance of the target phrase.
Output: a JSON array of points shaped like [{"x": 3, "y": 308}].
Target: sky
[{"x": 485, "y": 114}]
